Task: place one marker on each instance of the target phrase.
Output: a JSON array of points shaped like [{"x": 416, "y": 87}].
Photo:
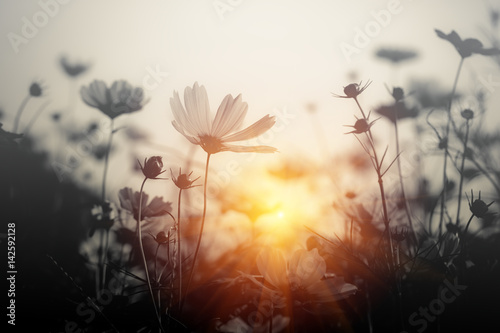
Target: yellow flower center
[{"x": 210, "y": 144}]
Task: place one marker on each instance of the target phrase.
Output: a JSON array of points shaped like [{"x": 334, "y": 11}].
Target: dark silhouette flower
[
  {"x": 8, "y": 137},
  {"x": 104, "y": 216},
  {"x": 478, "y": 207},
  {"x": 396, "y": 111},
  {"x": 152, "y": 167},
  {"x": 72, "y": 69},
  {"x": 353, "y": 90},
  {"x": 36, "y": 89},
  {"x": 121, "y": 98},
  {"x": 161, "y": 238},
  {"x": 466, "y": 47},
  {"x": 214, "y": 135},
  {"x": 183, "y": 181},
  {"x": 467, "y": 114},
  {"x": 361, "y": 126},
  {"x": 395, "y": 55},
  {"x": 129, "y": 201}
]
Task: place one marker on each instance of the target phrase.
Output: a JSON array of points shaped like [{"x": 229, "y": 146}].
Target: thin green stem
[
  {"x": 139, "y": 236},
  {"x": 179, "y": 244},
  {"x": 446, "y": 137},
  {"x": 19, "y": 112},
  {"x": 106, "y": 159},
  {"x": 462, "y": 172},
  {"x": 201, "y": 229}
]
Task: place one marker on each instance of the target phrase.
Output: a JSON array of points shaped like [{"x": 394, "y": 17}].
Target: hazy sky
[{"x": 280, "y": 54}]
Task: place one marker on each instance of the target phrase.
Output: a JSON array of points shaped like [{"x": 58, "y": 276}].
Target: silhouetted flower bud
[
  {"x": 35, "y": 89},
  {"x": 152, "y": 167},
  {"x": 467, "y": 114}
]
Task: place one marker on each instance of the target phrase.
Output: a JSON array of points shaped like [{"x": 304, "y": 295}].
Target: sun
[{"x": 280, "y": 214}]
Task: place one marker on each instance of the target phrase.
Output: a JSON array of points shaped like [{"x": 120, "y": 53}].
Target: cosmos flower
[
  {"x": 304, "y": 278},
  {"x": 121, "y": 98},
  {"x": 361, "y": 126},
  {"x": 182, "y": 181},
  {"x": 478, "y": 207},
  {"x": 195, "y": 123},
  {"x": 129, "y": 201},
  {"x": 152, "y": 167},
  {"x": 466, "y": 47},
  {"x": 353, "y": 90}
]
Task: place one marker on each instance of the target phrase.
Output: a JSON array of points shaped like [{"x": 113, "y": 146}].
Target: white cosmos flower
[{"x": 196, "y": 124}]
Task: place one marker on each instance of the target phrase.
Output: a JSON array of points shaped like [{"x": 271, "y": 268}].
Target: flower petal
[
  {"x": 256, "y": 129},
  {"x": 180, "y": 114},
  {"x": 308, "y": 266},
  {"x": 248, "y": 149},
  {"x": 181, "y": 130},
  {"x": 331, "y": 290},
  {"x": 229, "y": 116},
  {"x": 196, "y": 102},
  {"x": 272, "y": 265}
]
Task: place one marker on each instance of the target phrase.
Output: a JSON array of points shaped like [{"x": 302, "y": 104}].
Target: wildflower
[
  {"x": 183, "y": 181},
  {"x": 397, "y": 111},
  {"x": 467, "y": 114},
  {"x": 121, "y": 98},
  {"x": 304, "y": 279},
  {"x": 353, "y": 90},
  {"x": 395, "y": 55},
  {"x": 214, "y": 135},
  {"x": 160, "y": 238},
  {"x": 361, "y": 126},
  {"x": 152, "y": 167},
  {"x": 398, "y": 94},
  {"x": 129, "y": 201},
  {"x": 466, "y": 47},
  {"x": 36, "y": 89},
  {"x": 73, "y": 70},
  {"x": 478, "y": 207}
]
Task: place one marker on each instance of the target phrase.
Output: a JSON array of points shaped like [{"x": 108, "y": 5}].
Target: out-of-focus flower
[
  {"x": 353, "y": 90},
  {"x": 152, "y": 167},
  {"x": 72, "y": 69},
  {"x": 183, "y": 181},
  {"x": 400, "y": 234},
  {"x": 161, "y": 238},
  {"x": 214, "y": 136},
  {"x": 397, "y": 111},
  {"x": 478, "y": 207},
  {"x": 8, "y": 137},
  {"x": 466, "y": 47},
  {"x": 104, "y": 216},
  {"x": 129, "y": 200},
  {"x": 467, "y": 114},
  {"x": 395, "y": 55},
  {"x": 36, "y": 89},
  {"x": 304, "y": 280},
  {"x": 121, "y": 98}
]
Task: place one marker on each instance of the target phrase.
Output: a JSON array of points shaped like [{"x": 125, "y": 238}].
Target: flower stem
[
  {"x": 179, "y": 245},
  {"x": 462, "y": 171},
  {"x": 446, "y": 136},
  {"x": 201, "y": 228},
  {"x": 106, "y": 159},
  {"x": 139, "y": 236},
  {"x": 468, "y": 222},
  {"x": 19, "y": 112}
]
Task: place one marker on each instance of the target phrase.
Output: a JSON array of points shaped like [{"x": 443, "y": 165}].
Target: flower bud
[
  {"x": 35, "y": 89},
  {"x": 152, "y": 167},
  {"x": 467, "y": 114}
]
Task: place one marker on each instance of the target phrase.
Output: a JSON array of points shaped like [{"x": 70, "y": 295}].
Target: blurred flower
[
  {"x": 152, "y": 167},
  {"x": 56, "y": 116},
  {"x": 104, "y": 216},
  {"x": 183, "y": 181},
  {"x": 399, "y": 235},
  {"x": 35, "y": 89},
  {"x": 353, "y": 90},
  {"x": 395, "y": 55},
  {"x": 478, "y": 207},
  {"x": 129, "y": 201},
  {"x": 466, "y": 47},
  {"x": 304, "y": 278},
  {"x": 73, "y": 70},
  {"x": 213, "y": 135},
  {"x": 397, "y": 111},
  {"x": 160, "y": 238},
  {"x": 467, "y": 114},
  {"x": 398, "y": 93},
  {"x": 361, "y": 126},
  {"x": 121, "y": 98}
]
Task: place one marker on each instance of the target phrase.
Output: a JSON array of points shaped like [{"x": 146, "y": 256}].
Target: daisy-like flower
[
  {"x": 195, "y": 123},
  {"x": 353, "y": 90},
  {"x": 129, "y": 200},
  {"x": 182, "y": 181},
  {"x": 121, "y": 98},
  {"x": 466, "y": 47},
  {"x": 304, "y": 279}
]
